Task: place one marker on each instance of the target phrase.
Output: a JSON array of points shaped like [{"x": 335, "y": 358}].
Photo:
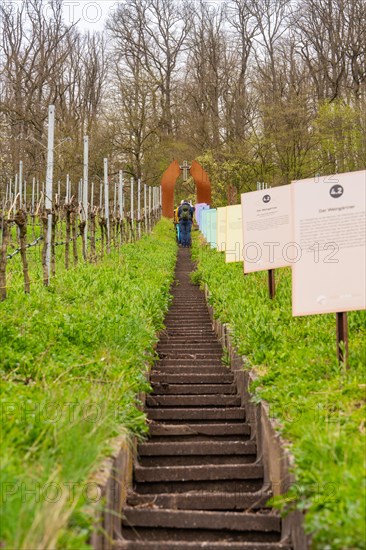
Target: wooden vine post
[
  {"x": 68, "y": 211},
  {"x": 145, "y": 208},
  {"x": 139, "y": 207},
  {"x": 74, "y": 221},
  {"x": 132, "y": 206},
  {"x": 82, "y": 227},
  {"x": 49, "y": 193},
  {"x": 120, "y": 204},
  {"x": 53, "y": 237},
  {"x": 149, "y": 214},
  {"x": 93, "y": 213},
  {"x": 106, "y": 205},
  {"x": 84, "y": 224},
  {"x": 103, "y": 232},
  {"x": 21, "y": 221},
  {"x": 44, "y": 220},
  {"x": 4, "y": 244}
]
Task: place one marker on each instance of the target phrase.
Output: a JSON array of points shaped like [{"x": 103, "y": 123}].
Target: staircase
[{"x": 197, "y": 481}]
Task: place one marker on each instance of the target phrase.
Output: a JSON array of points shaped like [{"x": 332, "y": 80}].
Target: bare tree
[
  {"x": 154, "y": 33},
  {"x": 35, "y": 49},
  {"x": 205, "y": 75},
  {"x": 332, "y": 36},
  {"x": 272, "y": 22}
]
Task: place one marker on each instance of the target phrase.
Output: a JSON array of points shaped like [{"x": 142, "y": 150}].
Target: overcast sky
[
  {"x": 93, "y": 14},
  {"x": 90, "y": 14}
]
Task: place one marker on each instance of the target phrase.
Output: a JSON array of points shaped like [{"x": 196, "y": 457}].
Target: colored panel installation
[
  {"x": 204, "y": 221},
  {"x": 234, "y": 234},
  {"x": 212, "y": 222},
  {"x": 221, "y": 229}
]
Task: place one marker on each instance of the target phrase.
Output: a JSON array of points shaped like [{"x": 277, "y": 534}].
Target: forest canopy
[{"x": 257, "y": 90}]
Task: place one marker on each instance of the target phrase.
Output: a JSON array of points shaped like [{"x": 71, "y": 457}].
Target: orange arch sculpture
[
  {"x": 202, "y": 181},
  {"x": 169, "y": 178}
]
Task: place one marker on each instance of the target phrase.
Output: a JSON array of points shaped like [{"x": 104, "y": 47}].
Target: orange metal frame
[{"x": 169, "y": 178}]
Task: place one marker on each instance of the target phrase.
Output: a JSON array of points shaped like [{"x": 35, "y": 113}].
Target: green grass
[
  {"x": 73, "y": 357},
  {"x": 320, "y": 404}
]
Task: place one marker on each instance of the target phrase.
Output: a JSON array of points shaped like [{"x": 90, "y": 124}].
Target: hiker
[
  {"x": 176, "y": 224},
  {"x": 185, "y": 215}
]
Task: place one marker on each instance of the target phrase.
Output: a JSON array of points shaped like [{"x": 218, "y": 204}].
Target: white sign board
[
  {"x": 221, "y": 229},
  {"x": 329, "y": 238},
  {"x": 234, "y": 234},
  {"x": 267, "y": 228}
]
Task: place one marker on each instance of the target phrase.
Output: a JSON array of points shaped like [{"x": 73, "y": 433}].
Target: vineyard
[
  {"x": 37, "y": 240},
  {"x": 74, "y": 356}
]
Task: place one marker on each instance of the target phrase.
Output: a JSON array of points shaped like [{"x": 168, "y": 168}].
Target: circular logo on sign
[
  {"x": 266, "y": 198},
  {"x": 336, "y": 191}
]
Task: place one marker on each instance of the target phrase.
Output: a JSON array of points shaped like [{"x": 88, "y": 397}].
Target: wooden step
[
  {"x": 197, "y": 500},
  {"x": 192, "y": 378},
  {"x": 229, "y": 413},
  {"x": 204, "y": 545},
  {"x": 189, "y": 369},
  {"x": 199, "y": 473},
  {"x": 187, "y": 519},
  {"x": 189, "y": 430},
  {"x": 192, "y": 355},
  {"x": 205, "y": 486},
  {"x": 171, "y": 361},
  {"x": 216, "y": 400},
  {"x": 193, "y": 389},
  {"x": 200, "y": 448}
]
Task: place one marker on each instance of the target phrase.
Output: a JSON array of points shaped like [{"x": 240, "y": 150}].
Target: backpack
[{"x": 186, "y": 212}]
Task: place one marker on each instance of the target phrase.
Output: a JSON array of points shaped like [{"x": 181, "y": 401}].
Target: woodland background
[{"x": 257, "y": 90}]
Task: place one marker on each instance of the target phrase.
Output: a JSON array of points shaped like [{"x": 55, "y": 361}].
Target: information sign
[
  {"x": 267, "y": 228},
  {"x": 329, "y": 244}
]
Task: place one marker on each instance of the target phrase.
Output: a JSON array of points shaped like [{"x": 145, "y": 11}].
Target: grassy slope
[
  {"x": 321, "y": 406},
  {"x": 73, "y": 357}
]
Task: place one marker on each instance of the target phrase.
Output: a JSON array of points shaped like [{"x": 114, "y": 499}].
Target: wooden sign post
[
  {"x": 271, "y": 283},
  {"x": 342, "y": 337}
]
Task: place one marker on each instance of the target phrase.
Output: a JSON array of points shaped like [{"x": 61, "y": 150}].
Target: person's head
[{"x": 183, "y": 201}]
